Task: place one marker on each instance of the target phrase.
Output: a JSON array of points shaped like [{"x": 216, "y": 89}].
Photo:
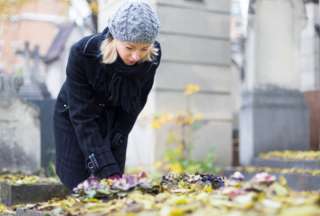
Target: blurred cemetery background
[{"x": 237, "y": 78}]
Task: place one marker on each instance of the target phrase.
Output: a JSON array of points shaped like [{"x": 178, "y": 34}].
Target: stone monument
[
  {"x": 273, "y": 115},
  {"x": 19, "y": 129}
]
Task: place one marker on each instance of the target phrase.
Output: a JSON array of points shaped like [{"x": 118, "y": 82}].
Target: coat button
[{"x": 90, "y": 165}]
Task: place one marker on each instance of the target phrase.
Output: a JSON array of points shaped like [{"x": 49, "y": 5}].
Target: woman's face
[{"x": 131, "y": 53}]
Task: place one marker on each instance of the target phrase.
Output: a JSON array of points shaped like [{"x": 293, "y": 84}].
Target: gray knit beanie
[{"x": 135, "y": 21}]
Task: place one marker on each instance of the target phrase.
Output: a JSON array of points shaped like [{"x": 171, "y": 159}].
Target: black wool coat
[{"x": 98, "y": 104}]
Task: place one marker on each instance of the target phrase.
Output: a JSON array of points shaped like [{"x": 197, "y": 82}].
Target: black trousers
[{"x": 70, "y": 161}]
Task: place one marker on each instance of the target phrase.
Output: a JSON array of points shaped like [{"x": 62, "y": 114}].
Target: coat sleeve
[{"x": 83, "y": 114}]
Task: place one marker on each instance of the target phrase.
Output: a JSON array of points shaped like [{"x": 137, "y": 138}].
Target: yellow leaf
[
  {"x": 158, "y": 164},
  {"x": 94, "y": 7},
  {"x": 176, "y": 168},
  {"x": 301, "y": 211},
  {"x": 283, "y": 181},
  {"x": 198, "y": 117},
  {"x": 155, "y": 124},
  {"x": 180, "y": 200},
  {"x": 207, "y": 188},
  {"x": 3, "y": 208},
  {"x": 176, "y": 212},
  {"x": 279, "y": 189},
  {"x": 191, "y": 89}
]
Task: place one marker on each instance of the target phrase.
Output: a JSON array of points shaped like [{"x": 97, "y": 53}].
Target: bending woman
[{"x": 109, "y": 77}]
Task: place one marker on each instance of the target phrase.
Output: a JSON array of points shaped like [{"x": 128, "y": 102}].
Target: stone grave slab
[
  {"x": 30, "y": 212},
  {"x": 20, "y": 194}
]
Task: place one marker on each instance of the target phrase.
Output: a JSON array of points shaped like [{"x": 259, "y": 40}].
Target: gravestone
[
  {"x": 31, "y": 193},
  {"x": 34, "y": 90},
  {"x": 19, "y": 129},
  {"x": 46, "y": 108},
  {"x": 272, "y": 119},
  {"x": 273, "y": 115}
]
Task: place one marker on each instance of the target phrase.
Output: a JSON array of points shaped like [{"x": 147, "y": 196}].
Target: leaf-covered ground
[
  {"x": 293, "y": 170},
  {"x": 291, "y": 155},
  {"x": 22, "y": 179},
  {"x": 177, "y": 195}
]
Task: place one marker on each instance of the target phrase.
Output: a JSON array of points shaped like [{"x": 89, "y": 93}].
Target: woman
[{"x": 109, "y": 77}]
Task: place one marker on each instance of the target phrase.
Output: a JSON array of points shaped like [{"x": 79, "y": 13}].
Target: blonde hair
[{"x": 109, "y": 51}]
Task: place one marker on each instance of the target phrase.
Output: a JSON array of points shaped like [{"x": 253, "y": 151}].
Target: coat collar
[{"x": 91, "y": 46}]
